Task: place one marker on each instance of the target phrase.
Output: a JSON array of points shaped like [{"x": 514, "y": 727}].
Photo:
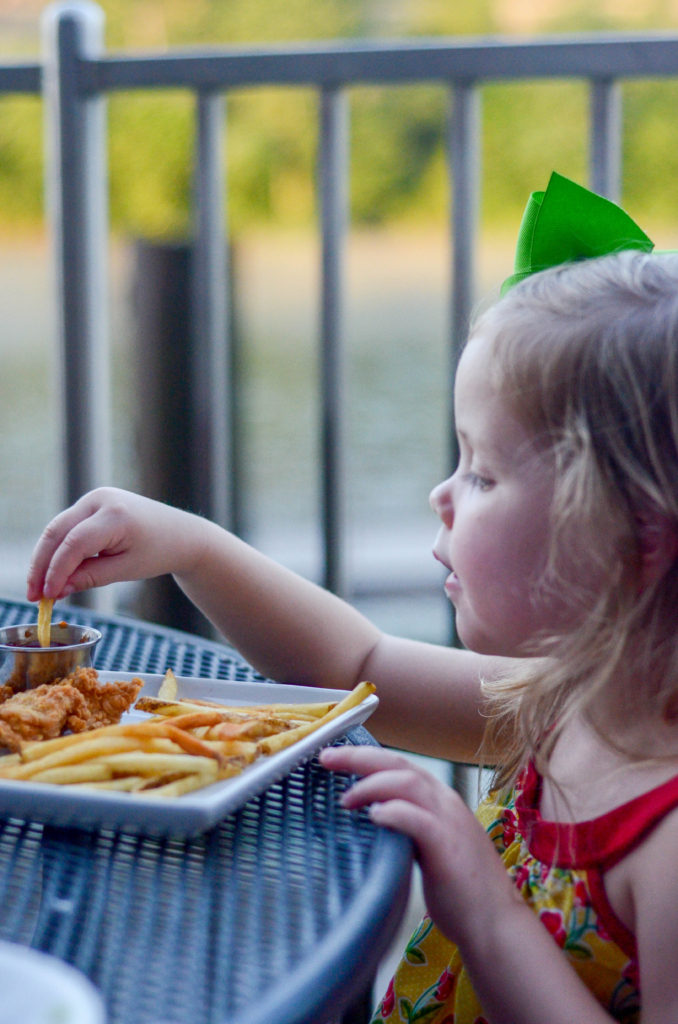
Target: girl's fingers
[
  {"x": 394, "y": 784},
  {"x": 403, "y": 816},
  {"x": 89, "y": 573},
  {"x": 402, "y": 796},
  {"x": 361, "y": 760},
  {"x": 50, "y": 539},
  {"x": 68, "y": 555},
  {"x": 58, "y": 558},
  {"x": 106, "y": 536},
  {"x": 387, "y": 776}
]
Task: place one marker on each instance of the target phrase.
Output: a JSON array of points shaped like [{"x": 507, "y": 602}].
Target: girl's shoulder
[
  {"x": 607, "y": 827},
  {"x": 643, "y": 889}
]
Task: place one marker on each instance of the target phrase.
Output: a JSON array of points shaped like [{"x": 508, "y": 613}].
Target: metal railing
[{"x": 75, "y": 77}]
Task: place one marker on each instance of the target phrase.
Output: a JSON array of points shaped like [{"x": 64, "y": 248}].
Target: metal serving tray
[{"x": 193, "y": 812}]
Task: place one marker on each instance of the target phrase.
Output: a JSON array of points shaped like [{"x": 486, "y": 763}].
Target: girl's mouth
[
  {"x": 451, "y": 584},
  {"x": 452, "y": 587}
]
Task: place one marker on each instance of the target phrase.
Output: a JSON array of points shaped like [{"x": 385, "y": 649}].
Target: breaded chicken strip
[
  {"x": 78, "y": 702},
  {"x": 39, "y": 714},
  {"x": 105, "y": 702}
]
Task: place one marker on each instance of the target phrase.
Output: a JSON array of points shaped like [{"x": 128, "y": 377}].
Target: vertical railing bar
[
  {"x": 76, "y": 186},
  {"x": 333, "y": 186},
  {"x": 605, "y": 146},
  {"x": 464, "y": 164},
  {"x": 211, "y": 435}
]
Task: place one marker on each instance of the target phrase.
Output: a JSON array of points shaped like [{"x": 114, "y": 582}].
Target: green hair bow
[{"x": 567, "y": 222}]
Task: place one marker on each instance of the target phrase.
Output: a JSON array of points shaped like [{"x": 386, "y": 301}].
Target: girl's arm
[
  {"x": 287, "y": 627},
  {"x": 518, "y": 972},
  {"x": 651, "y": 871}
]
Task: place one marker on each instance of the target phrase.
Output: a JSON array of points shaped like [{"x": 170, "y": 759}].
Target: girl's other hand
[
  {"x": 463, "y": 877},
  {"x": 108, "y": 535}
]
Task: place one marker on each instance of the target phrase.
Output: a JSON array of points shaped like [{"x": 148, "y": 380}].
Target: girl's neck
[{"x": 588, "y": 775}]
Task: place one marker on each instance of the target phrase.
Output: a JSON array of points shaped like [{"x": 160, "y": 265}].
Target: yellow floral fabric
[{"x": 558, "y": 870}]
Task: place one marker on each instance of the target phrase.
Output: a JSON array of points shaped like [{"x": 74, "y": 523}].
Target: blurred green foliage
[{"x": 398, "y": 134}]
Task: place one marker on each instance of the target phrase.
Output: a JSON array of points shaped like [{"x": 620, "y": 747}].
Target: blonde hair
[{"x": 587, "y": 355}]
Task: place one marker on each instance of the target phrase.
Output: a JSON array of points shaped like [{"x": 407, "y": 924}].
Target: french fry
[
  {"x": 33, "y": 749},
  {"x": 285, "y": 739},
  {"x": 45, "y": 606},
  {"x": 179, "y": 786},
  {"x": 192, "y": 745},
  {"x": 126, "y": 784},
  {"x": 84, "y": 771},
  {"x": 168, "y": 708},
  {"x": 194, "y": 719},
  {"x": 310, "y": 711},
  {"x": 169, "y": 686},
  {"x": 86, "y": 750},
  {"x": 135, "y": 762},
  {"x": 303, "y": 711},
  {"x": 255, "y": 728},
  {"x": 225, "y": 727},
  {"x": 158, "y": 706},
  {"x": 236, "y": 748}
]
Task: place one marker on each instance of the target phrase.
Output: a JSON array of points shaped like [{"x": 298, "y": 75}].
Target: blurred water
[{"x": 397, "y": 362}]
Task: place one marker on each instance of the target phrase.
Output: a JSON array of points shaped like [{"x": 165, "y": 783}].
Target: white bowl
[{"x": 41, "y": 989}]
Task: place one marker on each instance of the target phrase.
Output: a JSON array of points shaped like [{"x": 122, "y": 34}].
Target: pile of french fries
[{"x": 184, "y": 745}]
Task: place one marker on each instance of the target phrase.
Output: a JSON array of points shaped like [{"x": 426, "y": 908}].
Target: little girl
[{"x": 558, "y": 902}]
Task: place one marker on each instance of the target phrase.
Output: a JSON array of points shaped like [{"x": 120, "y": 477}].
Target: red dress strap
[{"x": 599, "y": 842}]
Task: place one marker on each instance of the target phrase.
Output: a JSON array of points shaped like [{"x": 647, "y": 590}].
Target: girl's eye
[{"x": 482, "y": 483}]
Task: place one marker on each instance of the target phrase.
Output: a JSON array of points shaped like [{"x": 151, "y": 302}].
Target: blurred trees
[{"x": 397, "y": 133}]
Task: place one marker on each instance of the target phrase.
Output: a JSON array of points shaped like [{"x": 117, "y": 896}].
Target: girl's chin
[{"x": 480, "y": 643}]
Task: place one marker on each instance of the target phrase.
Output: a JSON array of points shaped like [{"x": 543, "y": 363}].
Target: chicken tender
[
  {"x": 78, "y": 703},
  {"x": 105, "y": 702}
]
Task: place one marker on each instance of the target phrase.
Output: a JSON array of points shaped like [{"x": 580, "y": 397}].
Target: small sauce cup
[{"x": 24, "y": 664}]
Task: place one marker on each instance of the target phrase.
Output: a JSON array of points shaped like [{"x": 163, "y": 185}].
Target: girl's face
[{"x": 494, "y": 510}]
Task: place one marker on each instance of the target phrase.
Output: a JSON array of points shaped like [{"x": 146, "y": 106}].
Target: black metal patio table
[{"x": 278, "y": 915}]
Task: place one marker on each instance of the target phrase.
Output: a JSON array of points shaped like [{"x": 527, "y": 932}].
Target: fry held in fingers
[{"x": 45, "y": 607}]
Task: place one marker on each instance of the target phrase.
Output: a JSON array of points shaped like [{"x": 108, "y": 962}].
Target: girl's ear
[{"x": 658, "y": 538}]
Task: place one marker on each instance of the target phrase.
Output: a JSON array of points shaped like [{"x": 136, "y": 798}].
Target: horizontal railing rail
[
  {"x": 592, "y": 56},
  {"x": 20, "y": 78},
  {"x": 76, "y": 76}
]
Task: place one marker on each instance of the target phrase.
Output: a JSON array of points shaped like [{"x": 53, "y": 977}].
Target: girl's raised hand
[
  {"x": 108, "y": 535},
  {"x": 463, "y": 877}
]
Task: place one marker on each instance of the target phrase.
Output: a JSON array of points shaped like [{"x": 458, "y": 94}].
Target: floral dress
[{"x": 559, "y": 870}]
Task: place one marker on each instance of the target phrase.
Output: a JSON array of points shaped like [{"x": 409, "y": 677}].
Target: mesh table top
[{"x": 280, "y": 913}]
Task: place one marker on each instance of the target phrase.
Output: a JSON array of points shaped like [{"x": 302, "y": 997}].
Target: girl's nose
[{"x": 440, "y": 500}]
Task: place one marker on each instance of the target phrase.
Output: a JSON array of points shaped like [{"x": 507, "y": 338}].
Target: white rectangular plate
[{"x": 193, "y": 812}]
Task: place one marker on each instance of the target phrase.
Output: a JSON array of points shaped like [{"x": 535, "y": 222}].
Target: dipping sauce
[{"x": 30, "y": 640}]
